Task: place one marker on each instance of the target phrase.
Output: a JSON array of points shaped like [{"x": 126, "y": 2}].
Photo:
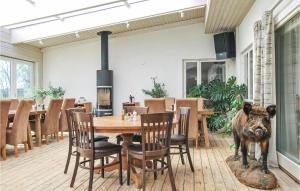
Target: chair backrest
[
  {"x": 84, "y": 129},
  {"x": 183, "y": 121},
  {"x": 170, "y": 102},
  {"x": 14, "y": 104},
  {"x": 156, "y": 133},
  {"x": 70, "y": 121},
  {"x": 20, "y": 123},
  {"x": 52, "y": 116},
  {"x": 4, "y": 110},
  {"x": 68, "y": 103},
  {"x": 193, "y": 121},
  {"x": 156, "y": 105},
  {"x": 200, "y": 103},
  {"x": 88, "y": 107},
  {"x": 139, "y": 110}
]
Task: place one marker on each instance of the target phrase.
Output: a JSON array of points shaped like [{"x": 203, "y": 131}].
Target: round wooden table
[{"x": 115, "y": 124}]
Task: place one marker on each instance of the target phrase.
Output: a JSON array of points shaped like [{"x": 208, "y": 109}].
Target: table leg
[
  {"x": 205, "y": 130},
  {"x": 38, "y": 131}
]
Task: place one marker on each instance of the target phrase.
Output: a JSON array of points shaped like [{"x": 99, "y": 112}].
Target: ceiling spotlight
[
  {"x": 127, "y": 25},
  {"x": 77, "y": 35},
  {"x": 181, "y": 14},
  {"x": 31, "y": 2},
  {"x": 60, "y": 18},
  {"x": 41, "y": 42},
  {"x": 126, "y": 4}
]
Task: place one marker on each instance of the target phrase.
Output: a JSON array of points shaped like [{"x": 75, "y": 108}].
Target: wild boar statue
[{"x": 252, "y": 124}]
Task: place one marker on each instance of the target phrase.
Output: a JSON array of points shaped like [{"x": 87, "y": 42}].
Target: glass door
[
  {"x": 287, "y": 40},
  {"x": 197, "y": 72},
  {"x": 191, "y": 75}
]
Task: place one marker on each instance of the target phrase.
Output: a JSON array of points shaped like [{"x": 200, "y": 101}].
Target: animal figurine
[{"x": 252, "y": 124}]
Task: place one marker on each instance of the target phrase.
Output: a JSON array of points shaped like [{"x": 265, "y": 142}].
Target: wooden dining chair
[
  {"x": 72, "y": 134},
  {"x": 14, "y": 104},
  {"x": 63, "y": 125},
  {"x": 192, "y": 103},
  {"x": 156, "y": 105},
  {"x": 156, "y": 134},
  {"x": 4, "y": 110},
  {"x": 17, "y": 134},
  {"x": 139, "y": 110},
  {"x": 90, "y": 150},
  {"x": 170, "y": 103},
  {"x": 88, "y": 107},
  {"x": 180, "y": 139},
  {"x": 50, "y": 125}
]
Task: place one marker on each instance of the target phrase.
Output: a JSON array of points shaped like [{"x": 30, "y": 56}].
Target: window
[
  {"x": 197, "y": 72},
  {"x": 248, "y": 73},
  {"x": 16, "y": 78}
]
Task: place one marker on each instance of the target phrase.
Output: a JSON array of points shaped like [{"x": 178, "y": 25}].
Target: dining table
[
  {"x": 127, "y": 128},
  {"x": 36, "y": 113}
]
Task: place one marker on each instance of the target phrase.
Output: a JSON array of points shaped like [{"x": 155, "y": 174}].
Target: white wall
[
  {"x": 22, "y": 51},
  {"x": 134, "y": 58},
  {"x": 244, "y": 32}
]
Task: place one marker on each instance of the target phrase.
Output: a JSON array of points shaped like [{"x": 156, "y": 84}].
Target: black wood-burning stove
[{"x": 104, "y": 80}]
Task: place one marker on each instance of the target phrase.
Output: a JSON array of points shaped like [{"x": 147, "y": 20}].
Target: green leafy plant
[
  {"x": 157, "y": 91},
  {"x": 226, "y": 99},
  {"x": 40, "y": 95},
  {"x": 58, "y": 92}
]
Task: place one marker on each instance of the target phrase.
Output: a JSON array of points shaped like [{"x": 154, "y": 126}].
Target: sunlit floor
[{"x": 42, "y": 169}]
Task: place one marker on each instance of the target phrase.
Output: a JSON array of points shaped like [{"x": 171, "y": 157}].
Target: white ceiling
[
  {"x": 189, "y": 15},
  {"x": 225, "y": 15},
  {"x": 44, "y": 23}
]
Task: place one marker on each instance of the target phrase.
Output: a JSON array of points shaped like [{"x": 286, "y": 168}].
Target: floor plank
[{"x": 41, "y": 169}]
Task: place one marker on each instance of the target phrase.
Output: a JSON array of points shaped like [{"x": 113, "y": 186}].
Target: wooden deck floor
[{"x": 42, "y": 169}]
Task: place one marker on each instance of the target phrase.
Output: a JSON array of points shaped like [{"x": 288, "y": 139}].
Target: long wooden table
[
  {"x": 37, "y": 113},
  {"x": 115, "y": 124}
]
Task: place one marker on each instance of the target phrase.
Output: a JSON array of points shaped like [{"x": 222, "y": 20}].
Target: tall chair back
[
  {"x": 20, "y": 123},
  {"x": 4, "y": 110},
  {"x": 183, "y": 121},
  {"x": 139, "y": 110},
  {"x": 156, "y": 133},
  {"x": 71, "y": 123},
  {"x": 52, "y": 117},
  {"x": 170, "y": 102},
  {"x": 156, "y": 105},
  {"x": 88, "y": 107},
  {"x": 84, "y": 129},
  {"x": 14, "y": 104},
  {"x": 192, "y": 103},
  {"x": 67, "y": 103}
]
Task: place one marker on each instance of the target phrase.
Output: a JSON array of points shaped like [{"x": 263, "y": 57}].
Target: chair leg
[
  {"x": 118, "y": 140},
  {"x": 155, "y": 168},
  {"x": 62, "y": 134},
  {"x": 68, "y": 158},
  {"x": 57, "y": 137},
  {"x": 120, "y": 168},
  {"x": 102, "y": 169},
  {"x": 189, "y": 156},
  {"x": 172, "y": 181},
  {"x": 144, "y": 175},
  {"x": 128, "y": 168},
  {"x": 46, "y": 138},
  {"x": 75, "y": 170},
  {"x": 91, "y": 174},
  {"x": 3, "y": 152},
  {"x": 29, "y": 137},
  {"x": 181, "y": 154},
  {"x": 16, "y": 151},
  {"x": 25, "y": 146},
  {"x": 162, "y": 165}
]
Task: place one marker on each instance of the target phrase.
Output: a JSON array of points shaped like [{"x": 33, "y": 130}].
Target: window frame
[
  {"x": 13, "y": 74},
  {"x": 247, "y": 71}
]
